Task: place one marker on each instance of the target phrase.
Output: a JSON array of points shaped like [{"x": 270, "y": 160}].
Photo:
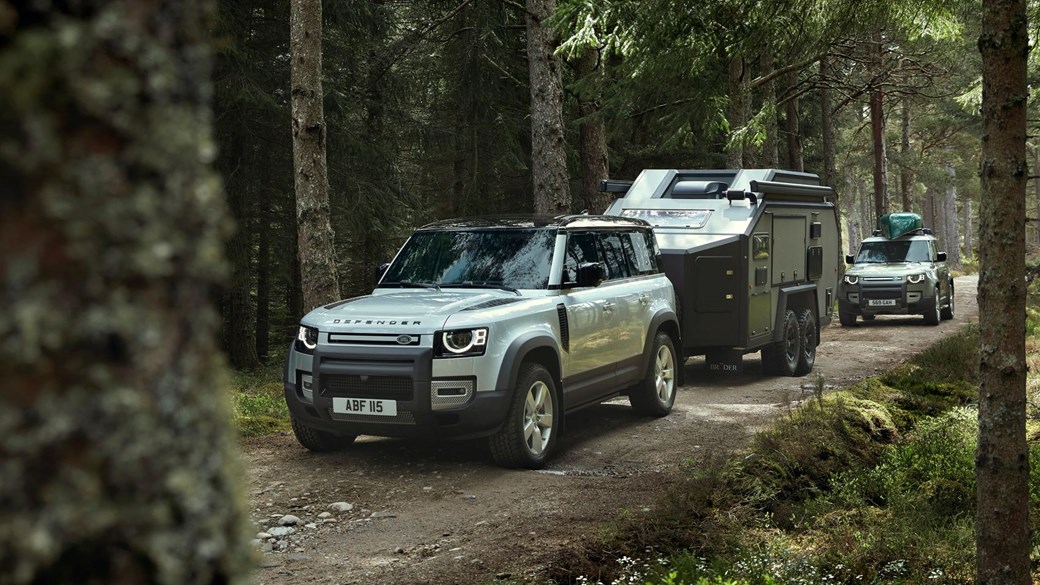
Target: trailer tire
[
  {"x": 781, "y": 357},
  {"x": 809, "y": 340}
]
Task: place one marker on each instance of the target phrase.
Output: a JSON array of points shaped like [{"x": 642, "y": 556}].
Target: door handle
[
  {"x": 644, "y": 298},
  {"x": 608, "y": 307}
]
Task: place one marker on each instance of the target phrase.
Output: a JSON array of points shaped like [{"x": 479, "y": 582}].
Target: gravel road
[{"x": 423, "y": 512}]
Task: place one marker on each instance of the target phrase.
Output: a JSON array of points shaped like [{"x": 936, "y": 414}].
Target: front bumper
[
  {"x": 886, "y": 298},
  {"x": 426, "y": 406}
]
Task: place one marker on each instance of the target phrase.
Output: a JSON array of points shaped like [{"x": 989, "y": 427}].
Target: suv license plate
[
  {"x": 881, "y": 302},
  {"x": 364, "y": 406}
]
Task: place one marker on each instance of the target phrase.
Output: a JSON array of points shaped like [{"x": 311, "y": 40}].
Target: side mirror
[
  {"x": 590, "y": 274},
  {"x": 941, "y": 256},
  {"x": 380, "y": 271},
  {"x": 850, "y": 259}
]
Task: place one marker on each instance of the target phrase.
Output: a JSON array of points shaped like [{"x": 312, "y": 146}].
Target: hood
[
  {"x": 410, "y": 311},
  {"x": 900, "y": 269}
]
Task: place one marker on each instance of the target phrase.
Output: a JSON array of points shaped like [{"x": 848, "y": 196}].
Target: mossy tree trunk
[
  {"x": 1002, "y": 459},
  {"x": 548, "y": 153},
  {"x": 116, "y": 464}
]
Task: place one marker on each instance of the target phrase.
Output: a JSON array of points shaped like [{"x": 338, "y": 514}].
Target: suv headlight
[
  {"x": 851, "y": 279},
  {"x": 462, "y": 342},
  {"x": 306, "y": 339},
  {"x": 914, "y": 278}
]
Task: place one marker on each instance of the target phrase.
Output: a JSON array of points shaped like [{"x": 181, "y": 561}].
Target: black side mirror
[
  {"x": 941, "y": 256},
  {"x": 850, "y": 259},
  {"x": 591, "y": 274},
  {"x": 380, "y": 271}
]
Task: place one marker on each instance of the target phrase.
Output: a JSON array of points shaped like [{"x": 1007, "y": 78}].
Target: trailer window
[{"x": 760, "y": 247}]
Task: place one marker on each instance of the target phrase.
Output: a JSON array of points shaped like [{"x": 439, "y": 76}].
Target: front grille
[
  {"x": 355, "y": 386},
  {"x": 402, "y": 418},
  {"x": 882, "y": 293}
]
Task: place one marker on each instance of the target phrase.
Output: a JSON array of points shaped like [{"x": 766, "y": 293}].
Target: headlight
[
  {"x": 306, "y": 339},
  {"x": 463, "y": 342},
  {"x": 850, "y": 279},
  {"x": 914, "y": 278}
]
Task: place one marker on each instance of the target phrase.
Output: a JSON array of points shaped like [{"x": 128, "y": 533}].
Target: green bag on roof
[{"x": 894, "y": 225}]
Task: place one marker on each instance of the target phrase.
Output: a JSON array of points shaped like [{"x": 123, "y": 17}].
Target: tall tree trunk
[
  {"x": 952, "y": 235},
  {"x": 593, "y": 134},
  {"x": 869, "y": 222},
  {"x": 877, "y": 132},
  {"x": 318, "y": 267},
  {"x": 928, "y": 208},
  {"x": 904, "y": 151},
  {"x": 118, "y": 456},
  {"x": 1036, "y": 188},
  {"x": 968, "y": 229},
  {"x": 794, "y": 133},
  {"x": 827, "y": 122},
  {"x": 770, "y": 147},
  {"x": 1002, "y": 458},
  {"x": 263, "y": 274},
  {"x": 737, "y": 115},
  {"x": 548, "y": 157}
]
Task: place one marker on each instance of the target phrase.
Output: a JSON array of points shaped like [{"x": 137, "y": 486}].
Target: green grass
[{"x": 258, "y": 403}]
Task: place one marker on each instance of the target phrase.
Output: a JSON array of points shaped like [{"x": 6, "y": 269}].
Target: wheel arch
[
  {"x": 796, "y": 298},
  {"x": 665, "y": 321},
  {"x": 537, "y": 348}
]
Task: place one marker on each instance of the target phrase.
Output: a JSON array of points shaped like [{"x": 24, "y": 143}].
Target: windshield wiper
[
  {"x": 481, "y": 285},
  {"x": 412, "y": 284}
]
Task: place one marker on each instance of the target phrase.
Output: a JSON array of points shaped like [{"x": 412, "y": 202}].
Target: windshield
[
  {"x": 517, "y": 259},
  {"x": 894, "y": 251}
]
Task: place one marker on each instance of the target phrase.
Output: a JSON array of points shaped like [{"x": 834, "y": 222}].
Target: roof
[{"x": 529, "y": 221}]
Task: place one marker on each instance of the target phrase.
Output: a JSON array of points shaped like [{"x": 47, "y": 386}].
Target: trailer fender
[
  {"x": 667, "y": 321},
  {"x": 796, "y": 298}
]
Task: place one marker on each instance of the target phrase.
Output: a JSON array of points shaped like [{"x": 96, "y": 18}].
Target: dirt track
[{"x": 443, "y": 513}]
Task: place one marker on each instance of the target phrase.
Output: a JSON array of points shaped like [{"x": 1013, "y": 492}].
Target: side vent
[{"x": 565, "y": 328}]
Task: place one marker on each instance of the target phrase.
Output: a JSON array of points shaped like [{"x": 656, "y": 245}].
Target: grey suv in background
[
  {"x": 899, "y": 276},
  {"x": 491, "y": 327}
]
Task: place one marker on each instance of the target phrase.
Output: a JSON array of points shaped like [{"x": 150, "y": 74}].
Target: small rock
[
  {"x": 280, "y": 531},
  {"x": 280, "y": 545},
  {"x": 256, "y": 542},
  {"x": 289, "y": 520},
  {"x": 267, "y": 547},
  {"x": 469, "y": 497},
  {"x": 383, "y": 515},
  {"x": 503, "y": 576},
  {"x": 399, "y": 550},
  {"x": 262, "y": 536},
  {"x": 341, "y": 507},
  {"x": 310, "y": 525},
  {"x": 325, "y": 515},
  {"x": 427, "y": 488},
  {"x": 481, "y": 523}
]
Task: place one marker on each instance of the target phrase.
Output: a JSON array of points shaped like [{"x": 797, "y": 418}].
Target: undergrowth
[
  {"x": 872, "y": 483},
  {"x": 258, "y": 403}
]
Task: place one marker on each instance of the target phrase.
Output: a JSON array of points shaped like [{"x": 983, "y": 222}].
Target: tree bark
[
  {"x": 118, "y": 460},
  {"x": 593, "y": 134},
  {"x": 904, "y": 169},
  {"x": 827, "y": 122},
  {"x": 952, "y": 236},
  {"x": 737, "y": 116},
  {"x": 877, "y": 132},
  {"x": 263, "y": 276},
  {"x": 548, "y": 156},
  {"x": 794, "y": 133},
  {"x": 770, "y": 147},
  {"x": 1002, "y": 458},
  {"x": 318, "y": 266},
  {"x": 968, "y": 229}
]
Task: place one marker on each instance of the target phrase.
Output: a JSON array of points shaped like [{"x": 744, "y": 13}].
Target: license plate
[
  {"x": 368, "y": 406},
  {"x": 881, "y": 302}
]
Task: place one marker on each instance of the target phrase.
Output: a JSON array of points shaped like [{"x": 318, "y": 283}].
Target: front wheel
[
  {"x": 947, "y": 312},
  {"x": 529, "y": 434},
  {"x": 655, "y": 394},
  {"x": 847, "y": 318},
  {"x": 320, "y": 441},
  {"x": 781, "y": 358},
  {"x": 932, "y": 317}
]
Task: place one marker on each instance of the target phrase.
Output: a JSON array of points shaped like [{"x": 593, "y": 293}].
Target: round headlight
[
  {"x": 914, "y": 278},
  {"x": 850, "y": 279},
  {"x": 464, "y": 340},
  {"x": 308, "y": 336}
]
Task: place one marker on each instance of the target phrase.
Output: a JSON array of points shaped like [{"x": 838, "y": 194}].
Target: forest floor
[{"x": 443, "y": 513}]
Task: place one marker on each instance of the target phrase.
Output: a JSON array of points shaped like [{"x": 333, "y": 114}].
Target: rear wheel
[
  {"x": 318, "y": 440},
  {"x": 655, "y": 395},
  {"x": 529, "y": 434},
  {"x": 781, "y": 358},
  {"x": 932, "y": 317},
  {"x": 809, "y": 340},
  {"x": 947, "y": 312}
]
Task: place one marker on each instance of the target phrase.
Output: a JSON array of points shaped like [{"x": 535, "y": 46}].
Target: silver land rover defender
[{"x": 491, "y": 327}]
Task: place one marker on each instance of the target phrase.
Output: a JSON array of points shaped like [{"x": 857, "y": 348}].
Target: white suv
[{"x": 491, "y": 327}]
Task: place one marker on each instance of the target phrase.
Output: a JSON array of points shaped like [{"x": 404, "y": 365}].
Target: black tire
[
  {"x": 781, "y": 358},
  {"x": 534, "y": 412},
  {"x": 809, "y": 340},
  {"x": 320, "y": 441},
  {"x": 947, "y": 311},
  {"x": 655, "y": 394},
  {"x": 847, "y": 319},
  {"x": 932, "y": 317},
  {"x": 867, "y": 317}
]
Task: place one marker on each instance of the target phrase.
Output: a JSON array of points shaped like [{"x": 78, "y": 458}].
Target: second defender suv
[
  {"x": 491, "y": 327},
  {"x": 898, "y": 276}
]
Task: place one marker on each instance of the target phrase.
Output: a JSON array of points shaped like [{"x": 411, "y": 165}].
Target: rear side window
[
  {"x": 641, "y": 249},
  {"x": 617, "y": 262},
  {"x": 581, "y": 248}
]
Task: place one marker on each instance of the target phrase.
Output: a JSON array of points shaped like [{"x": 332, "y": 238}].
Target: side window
[
  {"x": 638, "y": 250},
  {"x": 581, "y": 248},
  {"x": 614, "y": 257}
]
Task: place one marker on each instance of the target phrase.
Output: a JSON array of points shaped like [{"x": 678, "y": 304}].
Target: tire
[
  {"x": 781, "y": 358},
  {"x": 809, "y": 340},
  {"x": 947, "y": 311},
  {"x": 847, "y": 319},
  {"x": 655, "y": 395},
  {"x": 869, "y": 317},
  {"x": 932, "y": 317},
  {"x": 320, "y": 441},
  {"x": 529, "y": 434}
]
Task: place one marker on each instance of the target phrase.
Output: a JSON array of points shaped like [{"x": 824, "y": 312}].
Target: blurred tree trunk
[
  {"x": 117, "y": 462},
  {"x": 1002, "y": 458},
  {"x": 593, "y": 134},
  {"x": 318, "y": 267},
  {"x": 548, "y": 155}
]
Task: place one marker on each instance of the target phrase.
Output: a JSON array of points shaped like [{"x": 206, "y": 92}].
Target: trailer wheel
[
  {"x": 781, "y": 358},
  {"x": 809, "y": 339}
]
